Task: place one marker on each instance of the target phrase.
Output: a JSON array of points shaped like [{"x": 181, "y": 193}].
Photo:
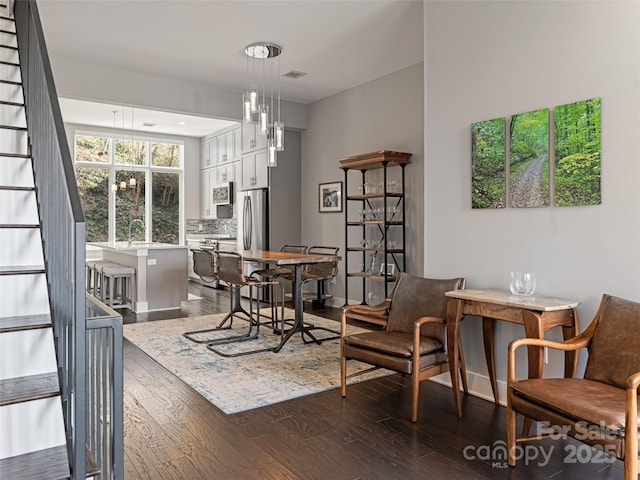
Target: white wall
[
  {"x": 384, "y": 114},
  {"x": 85, "y": 81},
  {"x": 492, "y": 59}
]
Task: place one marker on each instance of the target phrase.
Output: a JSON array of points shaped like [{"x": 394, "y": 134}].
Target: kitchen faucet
[{"x": 130, "y": 238}]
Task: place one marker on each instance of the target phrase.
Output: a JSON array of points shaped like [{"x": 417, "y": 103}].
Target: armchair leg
[
  {"x": 526, "y": 427},
  {"x": 511, "y": 434},
  {"x": 343, "y": 373},
  {"x": 415, "y": 393}
]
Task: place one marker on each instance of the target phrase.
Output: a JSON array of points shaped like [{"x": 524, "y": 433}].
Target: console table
[{"x": 536, "y": 313}]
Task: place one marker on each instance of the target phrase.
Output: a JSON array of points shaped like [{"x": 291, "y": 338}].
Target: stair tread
[
  {"x": 12, "y": 127},
  {"x": 20, "y": 225},
  {"x": 17, "y": 187},
  {"x": 15, "y": 155},
  {"x": 48, "y": 464},
  {"x": 21, "y": 269},
  {"x": 25, "y": 322},
  {"x": 6, "y": 102},
  {"x": 11, "y": 47},
  {"x": 31, "y": 387}
]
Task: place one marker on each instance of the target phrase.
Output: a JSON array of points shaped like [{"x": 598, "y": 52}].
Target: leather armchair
[
  {"x": 600, "y": 409},
  {"x": 414, "y": 339}
]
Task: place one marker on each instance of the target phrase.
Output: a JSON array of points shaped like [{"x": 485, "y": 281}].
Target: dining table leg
[
  {"x": 488, "y": 336},
  {"x": 297, "y": 308},
  {"x": 454, "y": 316},
  {"x": 534, "y": 328}
]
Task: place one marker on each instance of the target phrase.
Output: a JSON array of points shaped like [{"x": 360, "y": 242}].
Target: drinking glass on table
[{"x": 522, "y": 283}]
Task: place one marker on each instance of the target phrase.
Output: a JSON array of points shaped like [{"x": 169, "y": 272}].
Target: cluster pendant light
[
  {"x": 257, "y": 108},
  {"x": 132, "y": 181}
]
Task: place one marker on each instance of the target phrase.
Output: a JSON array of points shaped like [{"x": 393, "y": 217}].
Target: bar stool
[
  {"x": 94, "y": 276},
  {"x": 117, "y": 280},
  {"x": 89, "y": 267}
]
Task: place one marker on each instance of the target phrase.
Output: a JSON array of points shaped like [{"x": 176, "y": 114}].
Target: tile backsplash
[{"x": 221, "y": 226}]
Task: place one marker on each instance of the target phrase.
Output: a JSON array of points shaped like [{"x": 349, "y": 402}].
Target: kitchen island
[{"x": 161, "y": 272}]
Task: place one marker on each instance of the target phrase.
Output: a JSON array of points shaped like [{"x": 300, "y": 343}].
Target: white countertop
[
  {"x": 134, "y": 246},
  {"x": 501, "y": 297}
]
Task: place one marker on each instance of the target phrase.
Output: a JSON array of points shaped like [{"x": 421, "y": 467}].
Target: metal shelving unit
[{"x": 364, "y": 163}]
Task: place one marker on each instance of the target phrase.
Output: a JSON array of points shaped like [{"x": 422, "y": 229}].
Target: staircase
[
  {"x": 32, "y": 431},
  {"x": 60, "y": 349}
]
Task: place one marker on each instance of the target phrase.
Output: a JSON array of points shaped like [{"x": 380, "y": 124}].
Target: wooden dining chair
[{"x": 414, "y": 340}]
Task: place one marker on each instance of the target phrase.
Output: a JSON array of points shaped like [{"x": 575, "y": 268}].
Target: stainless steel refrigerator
[{"x": 253, "y": 225}]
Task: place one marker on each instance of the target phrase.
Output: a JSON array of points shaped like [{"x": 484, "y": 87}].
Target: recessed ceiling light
[{"x": 182, "y": 123}]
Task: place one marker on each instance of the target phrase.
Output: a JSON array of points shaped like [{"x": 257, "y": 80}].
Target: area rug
[{"x": 251, "y": 381}]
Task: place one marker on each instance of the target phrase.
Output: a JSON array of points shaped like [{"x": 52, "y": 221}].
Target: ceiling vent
[
  {"x": 294, "y": 74},
  {"x": 149, "y": 124}
]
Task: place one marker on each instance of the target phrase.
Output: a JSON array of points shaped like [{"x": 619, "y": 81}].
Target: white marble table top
[{"x": 503, "y": 297}]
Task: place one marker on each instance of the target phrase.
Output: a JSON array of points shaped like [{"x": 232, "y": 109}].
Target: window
[
  {"x": 130, "y": 204},
  {"x": 122, "y": 179},
  {"x": 165, "y": 209},
  {"x": 94, "y": 195}
]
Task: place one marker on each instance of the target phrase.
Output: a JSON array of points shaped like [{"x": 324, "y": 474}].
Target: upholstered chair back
[
  {"x": 203, "y": 263},
  {"x": 230, "y": 268},
  {"x": 614, "y": 353},
  {"x": 416, "y": 297},
  {"x": 324, "y": 269}
]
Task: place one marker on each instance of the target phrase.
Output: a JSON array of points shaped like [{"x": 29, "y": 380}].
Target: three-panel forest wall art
[{"x": 525, "y": 174}]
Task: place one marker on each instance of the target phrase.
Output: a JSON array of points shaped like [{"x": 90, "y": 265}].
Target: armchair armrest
[
  {"x": 380, "y": 310},
  {"x": 631, "y": 423},
  {"x": 575, "y": 343},
  {"x": 422, "y": 320},
  {"x": 376, "y": 314},
  {"x": 417, "y": 325},
  {"x": 634, "y": 381}
]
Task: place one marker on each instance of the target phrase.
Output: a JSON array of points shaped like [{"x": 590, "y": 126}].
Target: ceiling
[
  {"x": 339, "y": 44},
  {"x": 139, "y": 119}
]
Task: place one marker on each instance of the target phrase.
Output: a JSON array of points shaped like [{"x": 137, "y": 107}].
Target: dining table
[{"x": 297, "y": 261}]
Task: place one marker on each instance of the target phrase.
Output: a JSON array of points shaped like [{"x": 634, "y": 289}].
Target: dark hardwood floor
[{"x": 171, "y": 432}]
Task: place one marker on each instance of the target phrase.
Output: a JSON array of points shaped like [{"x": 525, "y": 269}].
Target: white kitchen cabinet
[
  {"x": 251, "y": 139},
  {"x": 225, "y": 173},
  {"x": 237, "y": 144},
  {"x": 208, "y": 152},
  {"x": 225, "y": 147},
  {"x": 207, "y": 181},
  {"x": 255, "y": 173},
  {"x": 205, "y": 160}
]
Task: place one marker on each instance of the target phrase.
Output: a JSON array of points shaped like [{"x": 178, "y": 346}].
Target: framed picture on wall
[{"x": 330, "y": 197}]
